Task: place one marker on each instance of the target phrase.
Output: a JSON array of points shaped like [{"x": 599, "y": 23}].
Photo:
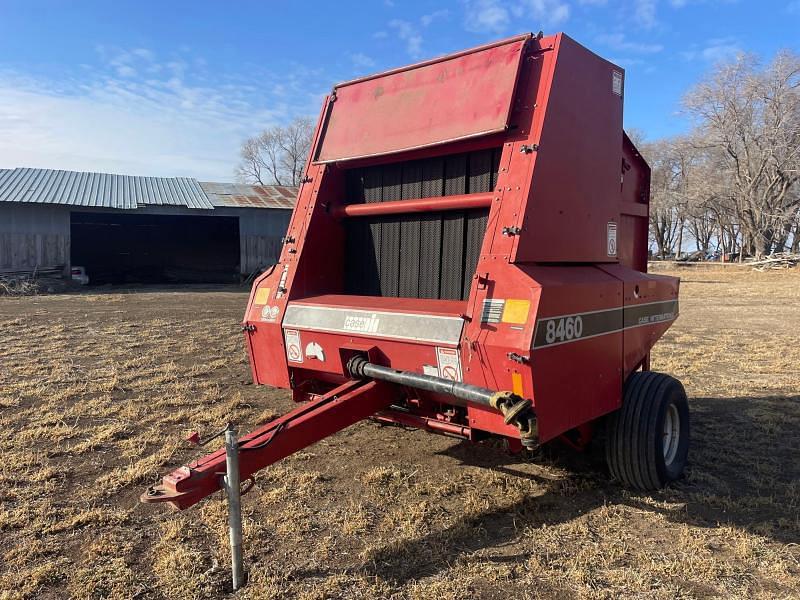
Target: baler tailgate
[{"x": 453, "y": 98}]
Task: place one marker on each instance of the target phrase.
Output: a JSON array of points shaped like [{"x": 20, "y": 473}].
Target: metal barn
[{"x": 125, "y": 229}]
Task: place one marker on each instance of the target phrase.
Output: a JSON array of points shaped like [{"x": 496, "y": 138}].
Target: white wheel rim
[{"x": 672, "y": 434}]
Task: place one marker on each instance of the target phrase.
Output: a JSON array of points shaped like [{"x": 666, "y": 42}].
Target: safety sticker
[
  {"x": 449, "y": 363},
  {"x": 294, "y": 351},
  {"x": 492, "y": 310},
  {"x": 611, "y": 238},
  {"x": 269, "y": 313},
  {"x": 262, "y": 296},
  {"x": 616, "y": 82}
]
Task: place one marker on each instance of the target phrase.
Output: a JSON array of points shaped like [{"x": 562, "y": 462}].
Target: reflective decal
[
  {"x": 262, "y": 296},
  {"x": 516, "y": 383},
  {"x": 516, "y": 311}
]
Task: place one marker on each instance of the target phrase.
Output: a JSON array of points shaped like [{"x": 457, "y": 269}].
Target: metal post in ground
[{"x": 233, "y": 491}]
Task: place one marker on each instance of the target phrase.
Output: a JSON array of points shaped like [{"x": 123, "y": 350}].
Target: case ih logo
[{"x": 362, "y": 324}]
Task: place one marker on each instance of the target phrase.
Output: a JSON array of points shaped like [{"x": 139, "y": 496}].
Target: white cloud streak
[
  {"x": 714, "y": 50},
  {"x": 496, "y": 16},
  {"x": 618, "y": 41},
  {"x": 410, "y": 32},
  {"x": 645, "y": 13},
  {"x": 410, "y": 35},
  {"x": 137, "y": 115}
]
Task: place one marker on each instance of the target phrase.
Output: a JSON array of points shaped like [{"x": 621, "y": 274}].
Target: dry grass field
[{"x": 97, "y": 390}]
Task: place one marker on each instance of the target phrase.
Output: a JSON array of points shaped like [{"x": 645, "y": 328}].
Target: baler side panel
[
  {"x": 577, "y": 370},
  {"x": 634, "y": 208},
  {"x": 574, "y": 190},
  {"x": 650, "y": 307},
  {"x": 267, "y": 302}
]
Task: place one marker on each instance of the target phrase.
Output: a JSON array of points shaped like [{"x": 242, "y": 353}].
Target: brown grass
[{"x": 96, "y": 391}]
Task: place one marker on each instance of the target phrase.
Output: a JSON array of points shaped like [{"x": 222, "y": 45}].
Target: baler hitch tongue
[
  {"x": 341, "y": 407},
  {"x": 516, "y": 410}
]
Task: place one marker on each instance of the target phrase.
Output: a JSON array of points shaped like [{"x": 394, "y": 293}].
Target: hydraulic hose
[{"x": 516, "y": 410}]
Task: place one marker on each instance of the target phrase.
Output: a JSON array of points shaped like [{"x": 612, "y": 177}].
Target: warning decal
[
  {"x": 611, "y": 238},
  {"x": 294, "y": 347},
  {"x": 449, "y": 363},
  {"x": 492, "y": 310},
  {"x": 616, "y": 82}
]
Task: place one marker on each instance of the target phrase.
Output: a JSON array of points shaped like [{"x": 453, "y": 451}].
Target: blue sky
[{"x": 172, "y": 88}]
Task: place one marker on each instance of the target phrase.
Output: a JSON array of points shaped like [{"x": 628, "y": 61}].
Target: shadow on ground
[{"x": 744, "y": 473}]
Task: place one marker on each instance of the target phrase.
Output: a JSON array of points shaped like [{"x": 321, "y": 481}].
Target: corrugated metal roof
[
  {"x": 252, "y": 196},
  {"x": 102, "y": 190}
]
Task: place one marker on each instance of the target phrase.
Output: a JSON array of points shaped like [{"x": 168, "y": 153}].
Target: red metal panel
[
  {"x": 456, "y": 97},
  {"x": 572, "y": 182}
]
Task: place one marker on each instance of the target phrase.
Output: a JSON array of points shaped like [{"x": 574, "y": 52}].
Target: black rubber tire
[{"x": 634, "y": 444}]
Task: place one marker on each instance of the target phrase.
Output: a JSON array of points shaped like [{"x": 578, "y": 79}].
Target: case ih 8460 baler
[{"x": 467, "y": 256}]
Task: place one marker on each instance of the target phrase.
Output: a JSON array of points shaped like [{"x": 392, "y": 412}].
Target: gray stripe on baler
[
  {"x": 434, "y": 329},
  {"x": 603, "y": 322}
]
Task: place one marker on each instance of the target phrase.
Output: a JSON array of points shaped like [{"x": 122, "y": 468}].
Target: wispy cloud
[
  {"x": 137, "y": 114},
  {"x": 714, "y": 50},
  {"x": 644, "y": 13},
  {"x": 362, "y": 61},
  {"x": 486, "y": 16},
  {"x": 496, "y": 16},
  {"x": 426, "y": 20},
  {"x": 411, "y": 32},
  {"x": 618, "y": 41}
]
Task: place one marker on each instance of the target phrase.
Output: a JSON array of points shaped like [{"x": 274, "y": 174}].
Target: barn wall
[
  {"x": 33, "y": 236},
  {"x": 260, "y": 234}
]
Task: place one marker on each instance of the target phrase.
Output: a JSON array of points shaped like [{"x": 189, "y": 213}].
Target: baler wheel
[{"x": 648, "y": 438}]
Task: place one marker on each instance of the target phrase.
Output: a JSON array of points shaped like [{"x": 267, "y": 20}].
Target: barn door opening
[{"x": 135, "y": 248}]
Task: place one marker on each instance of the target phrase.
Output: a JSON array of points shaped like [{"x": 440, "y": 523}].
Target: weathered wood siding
[
  {"x": 38, "y": 235},
  {"x": 33, "y": 236},
  {"x": 260, "y": 234}
]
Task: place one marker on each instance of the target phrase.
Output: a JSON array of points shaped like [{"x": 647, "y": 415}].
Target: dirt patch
[{"x": 97, "y": 390}]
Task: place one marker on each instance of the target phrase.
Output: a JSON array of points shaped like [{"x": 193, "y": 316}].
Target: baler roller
[{"x": 516, "y": 410}]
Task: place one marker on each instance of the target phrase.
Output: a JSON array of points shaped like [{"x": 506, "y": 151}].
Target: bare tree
[
  {"x": 748, "y": 119},
  {"x": 277, "y": 156},
  {"x": 667, "y": 196}
]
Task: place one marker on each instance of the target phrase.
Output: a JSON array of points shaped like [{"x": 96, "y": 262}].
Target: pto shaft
[{"x": 516, "y": 410}]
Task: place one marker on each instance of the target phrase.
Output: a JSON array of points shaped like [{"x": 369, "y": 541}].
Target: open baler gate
[{"x": 467, "y": 256}]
